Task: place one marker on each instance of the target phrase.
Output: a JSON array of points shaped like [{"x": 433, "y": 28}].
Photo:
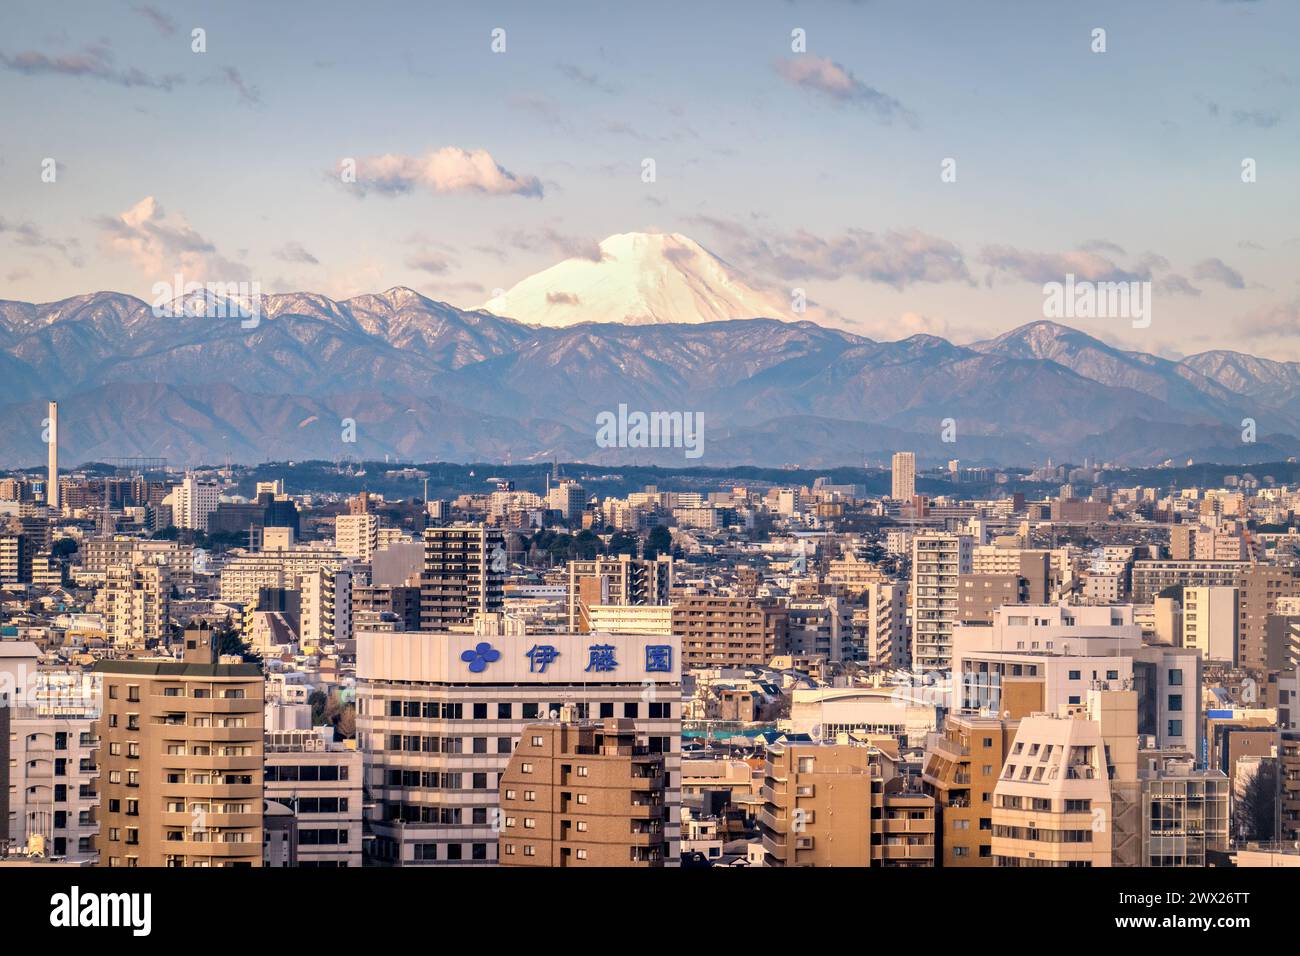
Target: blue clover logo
[{"x": 480, "y": 657}]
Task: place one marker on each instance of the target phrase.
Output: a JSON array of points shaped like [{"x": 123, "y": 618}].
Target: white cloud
[
  {"x": 827, "y": 78},
  {"x": 160, "y": 245},
  {"x": 447, "y": 170}
]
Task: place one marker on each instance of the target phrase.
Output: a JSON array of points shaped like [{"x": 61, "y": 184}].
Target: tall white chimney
[{"x": 52, "y": 489}]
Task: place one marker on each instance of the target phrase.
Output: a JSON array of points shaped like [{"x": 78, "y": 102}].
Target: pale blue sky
[{"x": 1132, "y": 155}]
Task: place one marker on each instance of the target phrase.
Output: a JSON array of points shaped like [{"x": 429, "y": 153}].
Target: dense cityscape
[{"x": 763, "y": 675}]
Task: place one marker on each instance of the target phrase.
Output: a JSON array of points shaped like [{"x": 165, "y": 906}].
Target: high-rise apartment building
[
  {"x": 842, "y": 804},
  {"x": 1152, "y": 577},
  {"x": 903, "y": 476},
  {"x": 1040, "y": 658},
  {"x": 463, "y": 576},
  {"x": 880, "y": 623},
  {"x": 962, "y": 766},
  {"x": 136, "y": 603},
  {"x": 616, "y": 579},
  {"x": 180, "y": 760},
  {"x": 439, "y": 716},
  {"x": 583, "y": 794},
  {"x": 938, "y": 561},
  {"x": 192, "y": 501},
  {"x": 1067, "y": 796},
  {"x": 1210, "y": 619},
  {"x": 245, "y": 576},
  {"x": 325, "y": 606},
  {"x": 823, "y": 627},
  {"x": 716, "y": 630},
  {"x": 357, "y": 535},
  {"x": 15, "y": 559},
  {"x": 568, "y": 498},
  {"x": 1259, "y": 587}
]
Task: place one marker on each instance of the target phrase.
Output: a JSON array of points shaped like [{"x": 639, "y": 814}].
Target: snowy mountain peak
[{"x": 641, "y": 278}]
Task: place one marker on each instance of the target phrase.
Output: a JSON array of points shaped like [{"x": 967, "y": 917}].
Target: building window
[
  {"x": 1175, "y": 701},
  {"x": 1175, "y": 728}
]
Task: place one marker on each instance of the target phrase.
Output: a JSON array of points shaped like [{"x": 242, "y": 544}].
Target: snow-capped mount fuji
[{"x": 642, "y": 278}]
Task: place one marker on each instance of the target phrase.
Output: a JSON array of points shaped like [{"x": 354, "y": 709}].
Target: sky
[{"x": 818, "y": 168}]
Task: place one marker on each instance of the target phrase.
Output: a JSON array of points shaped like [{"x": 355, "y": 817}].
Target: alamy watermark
[
  {"x": 209, "y": 300},
  {"x": 1085, "y": 299},
  {"x": 651, "y": 430}
]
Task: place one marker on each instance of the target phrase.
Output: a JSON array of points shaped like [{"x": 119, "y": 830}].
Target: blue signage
[
  {"x": 602, "y": 658},
  {"x": 659, "y": 658},
  {"x": 480, "y": 657},
  {"x": 541, "y": 656}
]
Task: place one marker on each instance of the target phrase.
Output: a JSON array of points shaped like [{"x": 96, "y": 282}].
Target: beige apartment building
[
  {"x": 583, "y": 794},
  {"x": 938, "y": 561},
  {"x": 1068, "y": 792},
  {"x": 842, "y": 804},
  {"x": 357, "y": 535},
  {"x": 717, "y": 630},
  {"x": 136, "y": 603},
  {"x": 880, "y": 625},
  {"x": 180, "y": 760},
  {"x": 902, "y": 476}
]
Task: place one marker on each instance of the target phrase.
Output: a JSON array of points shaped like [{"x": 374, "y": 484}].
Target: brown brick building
[
  {"x": 842, "y": 805},
  {"x": 582, "y": 794},
  {"x": 717, "y": 630},
  {"x": 180, "y": 760}
]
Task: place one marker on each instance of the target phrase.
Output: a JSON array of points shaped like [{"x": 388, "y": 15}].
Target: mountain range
[{"x": 426, "y": 381}]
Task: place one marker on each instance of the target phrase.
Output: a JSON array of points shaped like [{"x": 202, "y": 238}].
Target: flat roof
[{"x": 176, "y": 669}]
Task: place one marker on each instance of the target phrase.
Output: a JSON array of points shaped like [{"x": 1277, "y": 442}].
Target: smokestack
[{"x": 52, "y": 488}]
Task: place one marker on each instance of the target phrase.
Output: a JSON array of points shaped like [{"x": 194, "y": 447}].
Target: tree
[
  {"x": 659, "y": 541},
  {"x": 228, "y": 641},
  {"x": 317, "y": 700},
  {"x": 622, "y": 543},
  {"x": 64, "y": 547},
  {"x": 1256, "y": 811}
]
